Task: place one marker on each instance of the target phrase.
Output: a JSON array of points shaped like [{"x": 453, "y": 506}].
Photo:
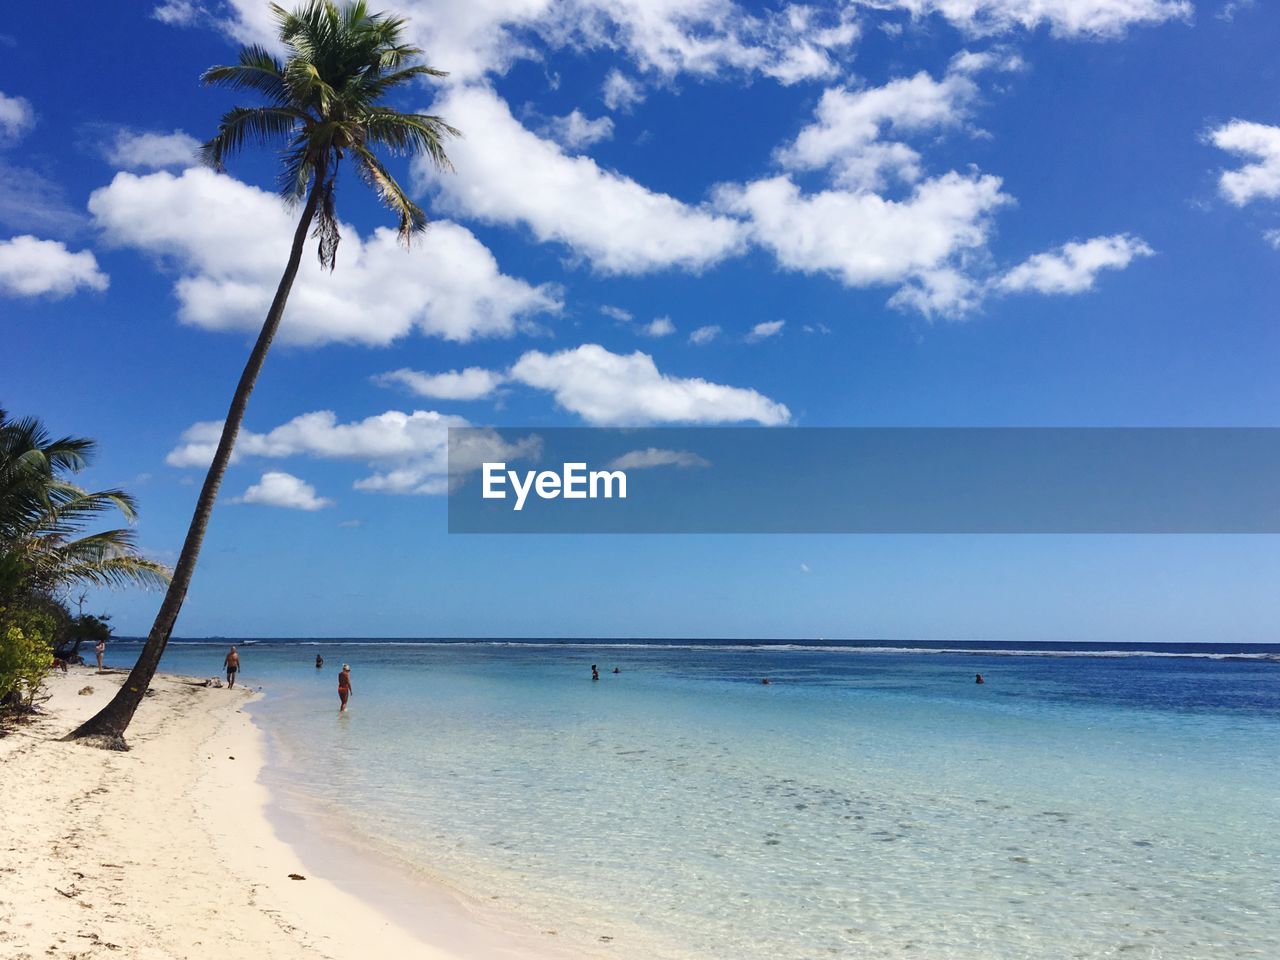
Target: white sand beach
[{"x": 166, "y": 851}]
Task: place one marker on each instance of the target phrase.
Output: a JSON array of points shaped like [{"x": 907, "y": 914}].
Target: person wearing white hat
[{"x": 344, "y": 686}]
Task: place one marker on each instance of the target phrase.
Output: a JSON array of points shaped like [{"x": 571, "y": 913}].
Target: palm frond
[
  {"x": 257, "y": 70},
  {"x": 405, "y": 133},
  {"x": 261, "y": 124},
  {"x": 412, "y": 219}
]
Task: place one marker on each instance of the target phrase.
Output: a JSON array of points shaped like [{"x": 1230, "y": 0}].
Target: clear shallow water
[{"x": 867, "y": 803}]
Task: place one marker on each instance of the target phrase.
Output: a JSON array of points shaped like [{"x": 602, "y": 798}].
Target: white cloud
[
  {"x": 652, "y": 457},
  {"x": 847, "y": 132},
  {"x": 864, "y": 239},
  {"x": 1229, "y": 10},
  {"x": 278, "y": 489},
  {"x": 389, "y": 435},
  {"x": 508, "y": 175},
  {"x": 617, "y": 313},
  {"x": 178, "y": 13},
  {"x": 30, "y": 267},
  {"x": 929, "y": 241},
  {"x": 662, "y": 37},
  {"x": 16, "y": 118},
  {"x": 574, "y": 131},
  {"x": 472, "y": 383},
  {"x": 704, "y": 335},
  {"x": 610, "y": 388},
  {"x": 942, "y": 291},
  {"x": 620, "y": 92},
  {"x": 150, "y": 150},
  {"x": 228, "y": 241},
  {"x": 1073, "y": 267},
  {"x": 765, "y": 330},
  {"x": 408, "y": 452},
  {"x": 1273, "y": 237},
  {"x": 1096, "y": 19},
  {"x": 30, "y": 201},
  {"x": 804, "y": 568},
  {"x": 1259, "y": 143},
  {"x": 659, "y": 327}
]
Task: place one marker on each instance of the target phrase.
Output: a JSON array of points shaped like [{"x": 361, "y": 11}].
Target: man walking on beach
[{"x": 232, "y": 663}]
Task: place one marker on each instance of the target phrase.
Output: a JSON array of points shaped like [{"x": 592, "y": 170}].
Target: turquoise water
[{"x": 866, "y": 803}]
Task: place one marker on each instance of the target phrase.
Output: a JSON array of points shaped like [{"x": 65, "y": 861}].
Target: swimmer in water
[{"x": 979, "y": 679}]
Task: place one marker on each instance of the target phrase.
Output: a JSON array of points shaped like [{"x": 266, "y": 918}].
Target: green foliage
[
  {"x": 325, "y": 104},
  {"x": 27, "y": 637},
  {"x": 45, "y": 543},
  {"x": 90, "y": 628}
]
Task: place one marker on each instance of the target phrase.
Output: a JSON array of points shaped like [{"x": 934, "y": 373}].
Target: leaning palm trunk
[
  {"x": 325, "y": 103},
  {"x": 109, "y": 724}
]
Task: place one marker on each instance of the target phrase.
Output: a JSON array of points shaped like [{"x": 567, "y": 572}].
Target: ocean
[{"x": 871, "y": 801}]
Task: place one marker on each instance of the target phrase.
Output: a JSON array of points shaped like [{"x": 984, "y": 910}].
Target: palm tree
[
  {"x": 43, "y": 517},
  {"x": 324, "y": 104}
]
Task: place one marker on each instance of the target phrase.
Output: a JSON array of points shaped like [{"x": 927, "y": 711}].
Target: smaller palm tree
[
  {"x": 324, "y": 105},
  {"x": 44, "y": 517}
]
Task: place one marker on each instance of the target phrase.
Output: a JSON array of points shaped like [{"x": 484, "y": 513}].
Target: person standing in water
[
  {"x": 344, "y": 686},
  {"x": 100, "y": 649},
  {"x": 319, "y": 661},
  {"x": 232, "y": 662},
  {"x": 595, "y": 673}
]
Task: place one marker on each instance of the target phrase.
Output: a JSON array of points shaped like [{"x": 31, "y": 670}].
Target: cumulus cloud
[
  {"x": 864, "y": 239},
  {"x": 609, "y": 388},
  {"x": 1092, "y": 19},
  {"x": 849, "y": 131},
  {"x": 574, "y": 131},
  {"x": 389, "y": 435},
  {"x": 150, "y": 150},
  {"x": 705, "y": 38},
  {"x": 408, "y": 452},
  {"x": 1259, "y": 143},
  {"x": 508, "y": 175},
  {"x": 658, "y": 327},
  {"x": 16, "y": 118},
  {"x": 278, "y": 489},
  {"x": 621, "y": 92},
  {"x": 178, "y": 13},
  {"x": 765, "y": 330},
  {"x": 652, "y": 457},
  {"x": 472, "y": 383},
  {"x": 704, "y": 335},
  {"x": 30, "y": 267},
  {"x": 228, "y": 242},
  {"x": 1073, "y": 267}
]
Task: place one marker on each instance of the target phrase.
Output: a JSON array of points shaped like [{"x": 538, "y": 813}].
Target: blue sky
[{"x": 907, "y": 212}]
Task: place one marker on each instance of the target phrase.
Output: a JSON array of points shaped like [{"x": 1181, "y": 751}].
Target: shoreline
[{"x": 173, "y": 849}]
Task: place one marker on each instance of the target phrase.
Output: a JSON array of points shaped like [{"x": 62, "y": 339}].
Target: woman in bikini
[{"x": 344, "y": 686}]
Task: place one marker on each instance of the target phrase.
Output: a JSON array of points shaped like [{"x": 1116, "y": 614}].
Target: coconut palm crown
[
  {"x": 325, "y": 105},
  {"x": 45, "y": 544}
]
